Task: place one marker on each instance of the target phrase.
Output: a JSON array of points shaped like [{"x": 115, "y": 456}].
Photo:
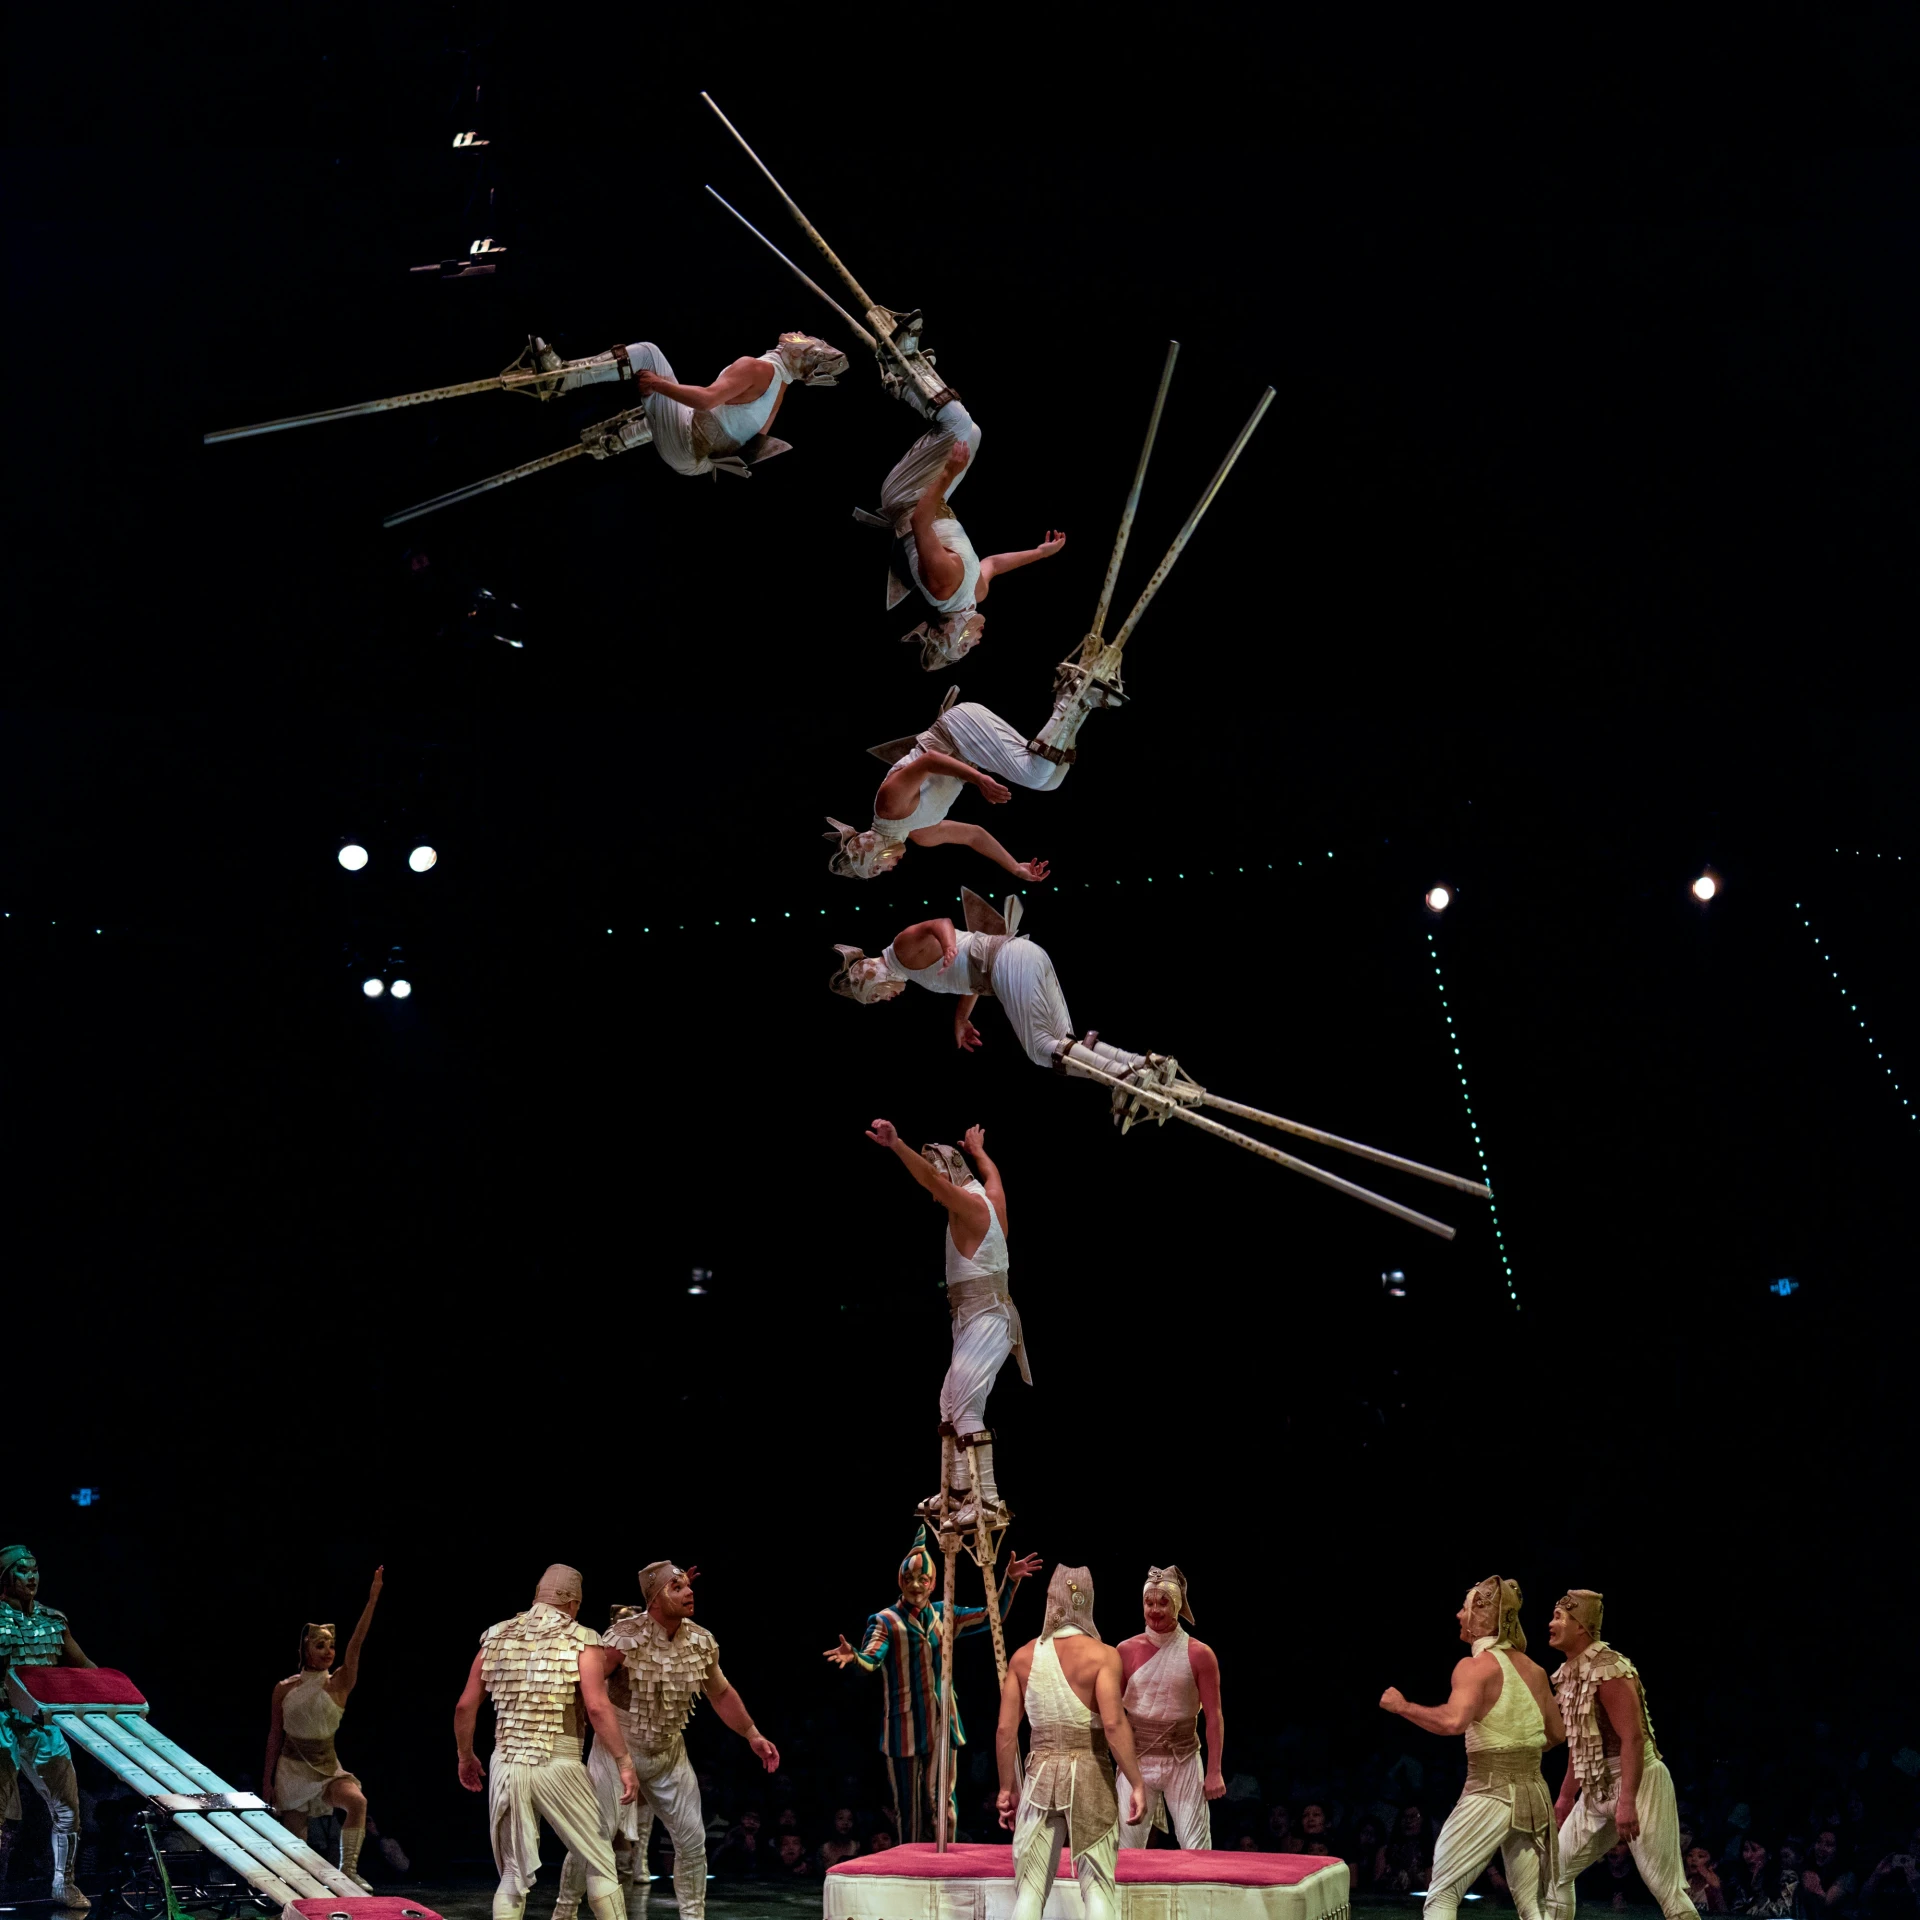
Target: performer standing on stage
[
  {"x": 932, "y": 552},
  {"x": 302, "y": 1772},
  {"x": 696, "y": 429},
  {"x": 1501, "y": 1701},
  {"x": 902, "y": 1645},
  {"x": 1616, "y": 1786},
  {"x": 967, "y": 745},
  {"x": 658, "y": 1663},
  {"x": 1068, "y": 1685},
  {"x": 1169, "y": 1680},
  {"x": 35, "y": 1635},
  {"x": 986, "y": 1323},
  {"x": 541, "y": 1671}
]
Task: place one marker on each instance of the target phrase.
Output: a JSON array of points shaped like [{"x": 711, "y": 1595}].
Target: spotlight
[
  {"x": 1783, "y": 1287},
  {"x": 1706, "y": 886},
  {"x": 1439, "y": 899},
  {"x": 1395, "y": 1283},
  {"x": 701, "y": 1275},
  {"x": 373, "y": 989},
  {"x": 353, "y": 856},
  {"x": 401, "y": 989},
  {"x": 421, "y": 858}
]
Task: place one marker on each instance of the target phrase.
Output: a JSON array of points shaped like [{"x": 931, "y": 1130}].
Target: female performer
[{"x": 303, "y": 1773}]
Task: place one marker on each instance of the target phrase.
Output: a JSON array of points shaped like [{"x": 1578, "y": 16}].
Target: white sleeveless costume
[
  {"x": 308, "y": 1765},
  {"x": 1163, "y": 1708},
  {"x": 1504, "y": 1806},
  {"x": 986, "y": 1324},
  {"x": 1062, "y": 1766},
  {"x": 723, "y": 429}
]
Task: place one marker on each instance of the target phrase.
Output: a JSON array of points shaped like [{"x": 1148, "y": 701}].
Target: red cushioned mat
[
  {"x": 66, "y": 1688},
  {"x": 366, "y": 1906},
  {"x": 1137, "y": 1865}
]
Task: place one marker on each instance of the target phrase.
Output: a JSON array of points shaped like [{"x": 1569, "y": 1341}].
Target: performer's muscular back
[
  {"x": 1492, "y": 1682},
  {"x": 1081, "y": 1660}
]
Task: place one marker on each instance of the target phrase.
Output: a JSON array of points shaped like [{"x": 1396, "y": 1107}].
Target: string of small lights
[
  {"x": 1860, "y": 853},
  {"x": 1846, "y": 994},
  {"x": 1493, "y": 1205}
]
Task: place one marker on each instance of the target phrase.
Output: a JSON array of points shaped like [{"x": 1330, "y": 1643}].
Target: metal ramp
[{"x": 104, "y": 1714}]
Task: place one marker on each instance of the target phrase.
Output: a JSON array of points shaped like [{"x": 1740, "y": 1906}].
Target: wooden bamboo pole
[
  {"x": 949, "y": 1548},
  {"x": 805, "y": 279},
  {"x": 1155, "y": 1098},
  {"x": 1193, "y": 520},
  {"x": 484, "y": 486},
  {"x": 1099, "y": 626},
  {"x": 1458, "y": 1181}
]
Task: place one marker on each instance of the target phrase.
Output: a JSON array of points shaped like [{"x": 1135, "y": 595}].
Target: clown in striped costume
[{"x": 902, "y": 1645}]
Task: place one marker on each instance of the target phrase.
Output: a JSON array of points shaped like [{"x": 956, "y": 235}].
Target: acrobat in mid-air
[
  {"x": 932, "y": 555},
  {"x": 992, "y": 960},
  {"x": 718, "y": 428},
  {"x": 986, "y": 1323}
]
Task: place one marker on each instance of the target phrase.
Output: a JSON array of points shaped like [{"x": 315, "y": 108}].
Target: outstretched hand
[
  {"x": 966, "y": 1036},
  {"x": 1028, "y": 1564},
  {"x": 1031, "y": 869},
  {"x": 379, "y": 1580},
  {"x": 975, "y": 1141},
  {"x": 842, "y": 1655},
  {"x": 883, "y": 1134},
  {"x": 1051, "y": 545}
]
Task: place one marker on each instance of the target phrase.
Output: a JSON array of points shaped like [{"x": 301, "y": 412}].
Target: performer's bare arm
[
  {"x": 1006, "y": 1740},
  {"x": 1206, "y": 1676},
  {"x": 1541, "y": 1688},
  {"x": 926, "y": 941},
  {"x": 733, "y": 1710},
  {"x": 901, "y": 787},
  {"x": 996, "y": 564},
  {"x": 1465, "y": 1704},
  {"x": 1620, "y": 1702},
  {"x": 975, "y": 1142},
  {"x": 466, "y": 1716},
  {"x": 342, "y": 1683},
  {"x": 276, "y": 1733},
  {"x": 745, "y": 379},
  {"x": 941, "y": 569},
  {"x": 945, "y": 832},
  {"x": 1109, "y": 1704},
  {"x": 965, "y": 1210},
  {"x": 966, "y": 1036},
  {"x": 70, "y": 1654},
  {"x": 595, "y": 1664}
]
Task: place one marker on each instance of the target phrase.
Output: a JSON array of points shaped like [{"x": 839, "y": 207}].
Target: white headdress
[
  {"x": 862, "y": 855},
  {"x": 946, "y": 639},
  {"x": 808, "y": 360},
  {"x": 866, "y": 991},
  {"x": 950, "y": 1161},
  {"x": 1175, "y": 1584}
]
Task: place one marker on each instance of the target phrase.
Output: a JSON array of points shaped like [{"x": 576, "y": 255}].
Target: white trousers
[
  {"x": 980, "y": 1350},
  {"x": 561, "y": 1793},
  {"x": 671, "y": 420},
  {"x": 1481, "y": 1825},
  {"x": 669, "y": 1791},
  {"x": 1036, "y": 1860},
  {"x": 992, "y": 745},
  {"x": 1179, "y": 1786},
  {"x": 915, "y": 470},
  {"x": 1589, "y": 1831},
  {"x": 54, "y": 1780}
]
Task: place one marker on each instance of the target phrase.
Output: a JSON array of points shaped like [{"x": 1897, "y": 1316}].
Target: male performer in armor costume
[
  {"x": 986, "y": 1323},
  {"x": 1068, "y": 1685},
  {"x": 902, "y": 1645},
  {"x": 932, "y": 551},
  {"x": 1616, "y": 1786},
  {"x": 1169, "y": 1680},
  {"x": 658, "y": 1663},
  {"x": 967, "y": 745},
  {"x": 699, "y": 429},
  {"x": 999, "y": 965},
  {"x": 1501, "y": 1701},
  {"x": 541, "y": 1669},
  {"x": 34, "y": 1635}
]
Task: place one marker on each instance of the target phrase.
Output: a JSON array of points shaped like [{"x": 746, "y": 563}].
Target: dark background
[{"x": 1574, "y": 555}]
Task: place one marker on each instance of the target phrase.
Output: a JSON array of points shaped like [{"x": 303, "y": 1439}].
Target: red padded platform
[
  {"x": 366, "y": 1906},
  {"x": 1137, "y": 1866},
  {"x": 67, "y": 1689}
]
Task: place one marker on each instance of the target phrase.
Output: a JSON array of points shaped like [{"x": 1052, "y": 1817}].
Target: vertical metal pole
[
  {"x": 945, "y": 1776},
  {"x": 1099, "y": 626},
  {"x": 1193, "y": 520}
]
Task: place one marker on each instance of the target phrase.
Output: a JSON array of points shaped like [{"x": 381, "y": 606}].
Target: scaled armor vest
[
  {"x": 531, "y": 1666},
  {"x": 31, "y": 1639},
  {"x": 665, "y": 1677}
]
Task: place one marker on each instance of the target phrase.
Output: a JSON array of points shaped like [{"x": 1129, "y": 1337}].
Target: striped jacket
[{"x": 905, "y": 1652}]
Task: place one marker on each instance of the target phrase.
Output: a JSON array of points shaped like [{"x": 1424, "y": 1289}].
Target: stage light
[
  {"x": 1439, "y": 899},
  {"x": 353, "y": 856},
  {"x": 1706, "y": 886},
  {"x": 1395, "y": 1283},
  {"x": 401, "y": 989},
  {"x": 85, "y": 1496},
  {"x": 421, "y": 858},
  {"x": 373, "y": 989},
  {"x": 701, "y": 1275},
  {"x": 1783, "y": 1287}
]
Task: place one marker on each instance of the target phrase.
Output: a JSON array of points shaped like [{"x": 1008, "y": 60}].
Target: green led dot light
[{"x": 1846, "y": 994}]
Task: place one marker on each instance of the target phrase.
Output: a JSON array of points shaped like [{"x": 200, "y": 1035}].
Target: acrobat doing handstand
[{"x": 991, "y": 959}]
